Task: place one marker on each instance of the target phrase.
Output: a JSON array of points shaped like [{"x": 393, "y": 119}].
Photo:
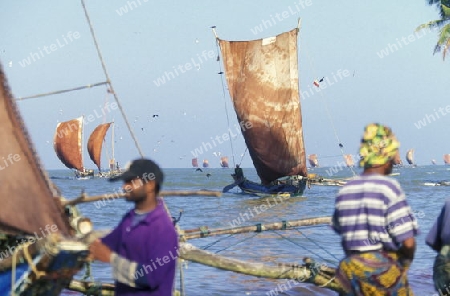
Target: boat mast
[
  {"x": 81, "y": 140},
  {"x": 113, "y": 168}
]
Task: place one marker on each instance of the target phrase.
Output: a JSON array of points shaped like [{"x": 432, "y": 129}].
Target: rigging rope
[
  {"x": 327, "y": 110},
  {"x": 133, "y": 136},
  {"x": 223, "y": 93},
  {"x": 62, "y": 91}
]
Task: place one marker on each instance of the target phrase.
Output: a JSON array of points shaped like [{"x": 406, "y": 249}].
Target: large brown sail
[
  {"x": 95, "y": 143},
  {"x": 28, "y": 199},
  {"x": 262, "y": 77},
  {"x": 67, "y": 143}
]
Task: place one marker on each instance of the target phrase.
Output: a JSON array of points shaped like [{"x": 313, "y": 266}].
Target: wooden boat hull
[
  {"x": 55, "y": 266},
  {"x": 293, "y": 187}
]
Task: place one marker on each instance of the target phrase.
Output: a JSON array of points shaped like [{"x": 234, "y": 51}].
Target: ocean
[{"x": 234, "y": 209}]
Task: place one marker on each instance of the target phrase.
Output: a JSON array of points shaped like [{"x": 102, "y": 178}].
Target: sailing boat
[
  {"x": 205, "y": 163},
  {"x": 397, "y": 160},
  {"x": 348, "y": 158},
  {"x": 262, "y": 78},
  {"x": 194, "y": 162},
  {"x": 35, "y": 261},
  {"x": 410, "y": 156},
  {"x": 447, "y": 158},
  {"x": 94, "y": 146},
  {"x": 224, "y": 162},
  {"x": 313, "y": 161},
  {"x": 67, "y": 143}
]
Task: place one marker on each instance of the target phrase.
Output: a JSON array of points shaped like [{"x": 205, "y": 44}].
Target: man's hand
[{"x": 99, "y": 251}]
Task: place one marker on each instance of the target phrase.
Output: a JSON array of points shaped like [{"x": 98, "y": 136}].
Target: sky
[{"x": 162, "y": 60}]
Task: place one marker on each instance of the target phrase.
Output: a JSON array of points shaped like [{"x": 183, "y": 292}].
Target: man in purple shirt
[
  {"x": 439, "y": 240},
  {"x": 375, "y": 222},
  {"x": 143, "y": 248}
]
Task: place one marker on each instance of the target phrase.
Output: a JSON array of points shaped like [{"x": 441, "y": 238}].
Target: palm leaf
[
  {"x": 432, "y": 25},
  {"x": 443, "y": 41}
]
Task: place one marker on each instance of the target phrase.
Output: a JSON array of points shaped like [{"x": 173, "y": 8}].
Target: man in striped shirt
[{"x": 375, "y": 222}]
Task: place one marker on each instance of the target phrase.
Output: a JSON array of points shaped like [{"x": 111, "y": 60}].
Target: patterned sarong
[
  {"x": 441, "y": 271},
  {"x": 373, "y": 273}
]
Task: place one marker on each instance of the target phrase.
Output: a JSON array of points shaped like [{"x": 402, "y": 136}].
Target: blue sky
[{"x": 391, "y": 75}]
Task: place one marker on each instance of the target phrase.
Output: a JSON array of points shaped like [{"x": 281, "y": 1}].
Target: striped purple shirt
[{"x": 371, "y": 213}]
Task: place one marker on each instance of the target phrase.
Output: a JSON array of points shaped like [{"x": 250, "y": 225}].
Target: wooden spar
[
  {"x": 96, "y": 289},
  {"x": 109, "y": 196},
  {"x": 91, "y": 288},
  {"x": 309, "y": 272},
  {"x": 205, "y": 232}
]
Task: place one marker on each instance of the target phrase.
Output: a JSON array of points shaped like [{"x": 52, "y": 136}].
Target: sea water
[{"x": 271, "y": 247}]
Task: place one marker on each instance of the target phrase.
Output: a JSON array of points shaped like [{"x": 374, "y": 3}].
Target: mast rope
[
  {"x": 279, "y": 234},
  {"x": 223, "y": 92},
  {"x": 323, "y": 100},
  {"x": 303, "y": 247},
  {"x": 62, "y": 91},
  {"x": 316, "y": 244},
  {"x": 133, "y": 136}
]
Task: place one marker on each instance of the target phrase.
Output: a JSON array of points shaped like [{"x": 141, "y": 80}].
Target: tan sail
[
  {"x": 410, "y": 156},
  {"x": 205, "y": 163},
  {"x": 67, "y": 143},
  {"x": 397, "y": 159},
  {"x": 313, "y": 161},
  {"x": 349, "y": 160},
  {"x": 262, "y": 77},
  {"x": 28, "y": 198},
  {"x": 224, "y": 162},
  {"x": 447, "y": 158},
  {"x": 95, "y": 143}
]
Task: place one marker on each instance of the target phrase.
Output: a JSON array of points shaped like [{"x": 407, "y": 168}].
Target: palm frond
[
  {"x": 445, "y": 9},
  {"x": 432, "y": 25},
  {"x": 443, "y": 41},
  {"x": 433, "y": 2}
]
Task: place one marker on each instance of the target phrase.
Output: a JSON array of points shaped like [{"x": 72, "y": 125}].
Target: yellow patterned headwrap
[{"x": 378, "y": 145}]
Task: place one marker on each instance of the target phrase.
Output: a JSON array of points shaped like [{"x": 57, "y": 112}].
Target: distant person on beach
[
  {"x": 143, "y": 248},
  {"x": 375, "y": 222},
  {"x": 439, "y": 240}
]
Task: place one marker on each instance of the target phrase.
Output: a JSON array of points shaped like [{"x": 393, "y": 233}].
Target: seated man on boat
[{"x": 238, "y": 175}]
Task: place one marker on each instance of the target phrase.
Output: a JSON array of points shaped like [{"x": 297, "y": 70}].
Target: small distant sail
[
  {"x": 433, "y": 161},
  {"x": 410, "y": 156},
  {"x": 224, "y": 161},
  {"x": 447, "y": 158},
  {"x": 313, "y": 161},
  {"x": 195, "y": 162},
  {"x": 317, "y": 82},
  {"x": 95, "y": 143},
  {"x": 205, "y": 163},
  {"x": 349, "y": 160},
  {"x": 397, "y": 159}
]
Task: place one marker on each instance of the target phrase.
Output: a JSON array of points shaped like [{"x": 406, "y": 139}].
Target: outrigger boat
[{"x": 262, "y": 78}]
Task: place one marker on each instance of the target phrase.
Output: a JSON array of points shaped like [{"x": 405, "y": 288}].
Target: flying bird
[{"x": 155, "y": 115}]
